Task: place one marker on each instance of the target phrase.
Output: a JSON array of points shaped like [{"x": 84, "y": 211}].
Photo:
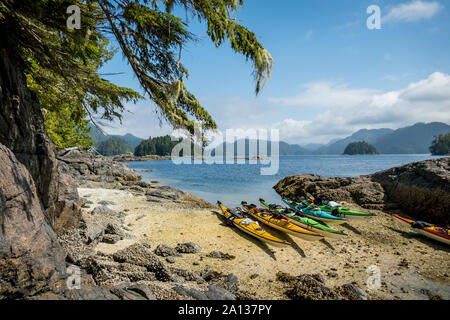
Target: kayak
[
  {"x": 250, "y": 227},
  {"x": 303, "y": 221},
  {"x": 280, "y": 223},
  {"x": 337, "y": 211},
  {"x": 314, "y": 213},
  {"x": 428, "y": 230}
]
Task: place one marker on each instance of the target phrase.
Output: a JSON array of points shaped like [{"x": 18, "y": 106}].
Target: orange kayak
[{"x": 430, "y": 231}]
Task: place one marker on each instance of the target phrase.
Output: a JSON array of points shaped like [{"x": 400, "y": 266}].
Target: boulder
[
  {"x": 140, "y": 255},
  {"x": 307, "y": 287},
  {"x": 163, "y": 250},
  {"x": 31, "y": 259},
  {"x": 420, "y": 189},
  {"x": 188, "y": 247},
  {"x": 360, "y": 190}
]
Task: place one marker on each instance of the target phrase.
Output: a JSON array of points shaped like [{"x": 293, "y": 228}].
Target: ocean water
[{"x": 233, "y": 183}]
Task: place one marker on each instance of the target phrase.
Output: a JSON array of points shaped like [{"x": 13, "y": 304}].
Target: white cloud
[
  {"x": 413, "y": 11},
  {"x": 320, "y": 112},
  {"x": 427, "y": 100},
  {"x": 326, "y": 94}
]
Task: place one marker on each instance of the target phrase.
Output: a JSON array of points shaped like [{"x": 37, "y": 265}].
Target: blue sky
[{"x": 331, "y": 75}]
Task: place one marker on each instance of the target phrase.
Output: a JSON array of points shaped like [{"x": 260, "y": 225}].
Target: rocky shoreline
[
  {"x": 132, "y": 240},
  {"x": 421, "y": 190}
]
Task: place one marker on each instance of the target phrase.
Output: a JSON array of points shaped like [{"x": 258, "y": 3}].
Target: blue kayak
[{"x": 314, "y": 212}]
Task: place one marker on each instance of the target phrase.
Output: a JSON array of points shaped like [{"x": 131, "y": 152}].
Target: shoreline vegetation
[{"x": 173, "y": 245}]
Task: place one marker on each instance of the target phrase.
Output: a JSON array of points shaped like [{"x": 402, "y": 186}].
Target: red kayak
[{"x": 428, "y": 230}]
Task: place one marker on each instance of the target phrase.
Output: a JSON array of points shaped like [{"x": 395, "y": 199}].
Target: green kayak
[
  {"x": 303, "y": 221},
  {"x": 335, "y": 211}
]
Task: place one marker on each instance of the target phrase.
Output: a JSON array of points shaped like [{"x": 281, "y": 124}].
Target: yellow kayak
[
  {"x": 250, "y": 227},
  {"x": 280, "y": 223}
]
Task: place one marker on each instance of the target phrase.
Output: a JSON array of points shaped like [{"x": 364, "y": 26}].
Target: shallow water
[{"x": 233, "y": 183}]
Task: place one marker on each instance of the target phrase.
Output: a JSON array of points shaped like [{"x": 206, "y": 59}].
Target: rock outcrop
[
  {"x": 31, "y": 259},
  {"x": 421, "y": 189},
  {"x": 86, "y": 166},
  {"x": 22, "y": 129}
]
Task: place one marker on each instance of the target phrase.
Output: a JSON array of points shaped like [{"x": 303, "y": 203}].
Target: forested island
[
  {"x": 440, "y": 145},
  {"x": 359, "y": 148}
]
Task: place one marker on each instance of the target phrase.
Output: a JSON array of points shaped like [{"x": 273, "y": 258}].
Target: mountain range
[
  {"x": 414, "y": 139},
  {"x": 98, "y": 136}
]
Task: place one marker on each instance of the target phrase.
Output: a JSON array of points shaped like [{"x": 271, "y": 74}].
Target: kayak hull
[
  {"x": 429, "y": 232},
  {"x": 312, "y": 225},
  {"x": 286, "y": 227},
  {"x": 348, "y": 213},
  {"x": 316, "y": 215},
  {"x": 254, "y": 229},
  {"x": 433, "y": 235}
]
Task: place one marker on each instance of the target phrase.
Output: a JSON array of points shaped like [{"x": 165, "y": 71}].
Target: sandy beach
[{"x": 411, "y": 267}]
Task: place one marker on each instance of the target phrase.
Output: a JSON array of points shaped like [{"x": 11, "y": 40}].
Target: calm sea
[{"x": 233, "y": 183}]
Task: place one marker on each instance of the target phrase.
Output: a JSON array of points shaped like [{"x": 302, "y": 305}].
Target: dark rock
[
  {"x": 226, "y": 281},
  {"x": 170, "y": 259},
  {"x": 351, "y": 292},
  {"x": 165, "y": 251},
  {"x": 22, "y": 129},
  {"x": 188, "y": 275},
  {"x": 188, "y": 247},
  {"x": 111, "y": 238},
  {"x": 102, "y": 210},
  {"x": 307, "y": 287},
  {"x": 139, "y": 254},
  {"x": 31, "y": 259},
  {"x": 420, "y": 189},
  {"x": 213, "y": 293},
  {"x": 220, "y": 255},
  {"x": 133, "y": 292},
  {"x": 360, "y": 190},
  {"x": 90, "y": 293},
  {"x": 106, "y": 203}
]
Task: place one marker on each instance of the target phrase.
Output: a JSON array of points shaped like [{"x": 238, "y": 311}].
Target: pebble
[{"x": 170, "y": 259}]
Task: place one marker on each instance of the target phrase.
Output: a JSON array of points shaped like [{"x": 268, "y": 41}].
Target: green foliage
[
  {"x": 113, "y": 146},
  {"x": 360, "y": 147},
  {"x": 65, "y": 131},
  {"x": 64, "y": 62},
  {"x": 162, "y": 146},
  {"x": 440, "y": 145}
]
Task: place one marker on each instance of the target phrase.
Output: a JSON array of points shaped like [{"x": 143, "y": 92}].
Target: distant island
[
  {"x": 440, "y": 145},
  {"x": 359, "y": 148}
]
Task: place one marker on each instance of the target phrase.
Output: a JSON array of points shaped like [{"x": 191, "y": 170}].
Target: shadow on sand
[
  {"x": 351, "y": 228},
  {"x": 241, "y": 233},
  {"x": 325, "y": 242},
  {"x": 410, "y": 235}
]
